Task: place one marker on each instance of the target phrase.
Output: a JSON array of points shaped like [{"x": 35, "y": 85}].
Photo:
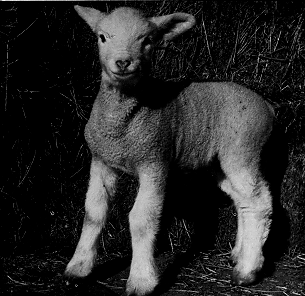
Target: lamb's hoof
[
  {"x": 141, "y": 286},
  {"x": 73, "y": 282},
  {"x": 73, "y": 279},
  {"x": 79, "y": 269},
  {"x": 243, "y": 280}
]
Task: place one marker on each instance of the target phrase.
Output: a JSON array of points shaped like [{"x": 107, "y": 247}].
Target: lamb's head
[{"x": 126, "y": 39}]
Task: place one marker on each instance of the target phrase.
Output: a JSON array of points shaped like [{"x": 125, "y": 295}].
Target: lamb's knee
[
  {"x": 144, "y": 218},
  {"x": 95, "y": 212},
  {"x": 140, "y": 226},
  {"x": 238, "y": 185},
  {"x": 247, "y": 191}
]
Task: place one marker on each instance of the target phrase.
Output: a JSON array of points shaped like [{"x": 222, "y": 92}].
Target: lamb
[{"x": 145, "y": 126}]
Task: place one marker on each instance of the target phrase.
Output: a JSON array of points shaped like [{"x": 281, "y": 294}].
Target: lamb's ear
[
  {"x": 172, "y": 25},
  {"x": 90, "y": 15}
]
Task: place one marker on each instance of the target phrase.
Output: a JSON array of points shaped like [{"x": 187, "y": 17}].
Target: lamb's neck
[
  {"x": 115, "y": 100},
  {"x": 116, "y": 110}
]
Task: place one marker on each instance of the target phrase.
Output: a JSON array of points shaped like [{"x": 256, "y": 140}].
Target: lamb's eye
[
  {"x": 147, "y": 41},
  {"x": 103, "y": 38}
]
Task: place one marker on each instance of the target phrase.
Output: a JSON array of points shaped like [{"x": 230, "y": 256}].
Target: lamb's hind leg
[
  {"x": 102, "y": 181},
  {"x": 254, "y": 208}
]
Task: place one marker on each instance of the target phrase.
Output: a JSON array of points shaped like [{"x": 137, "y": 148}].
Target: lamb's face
[{"x": 125, "y": 41}]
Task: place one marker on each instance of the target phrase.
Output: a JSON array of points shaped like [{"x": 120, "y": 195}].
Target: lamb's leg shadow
[
  {"x": 274, "y": 164},
  {"x": 196, "y": 198}
]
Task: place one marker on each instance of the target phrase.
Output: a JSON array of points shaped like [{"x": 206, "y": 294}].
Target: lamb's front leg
[
  {"x": 144, "y": 223},
  {"x": 101, "y": 185}
]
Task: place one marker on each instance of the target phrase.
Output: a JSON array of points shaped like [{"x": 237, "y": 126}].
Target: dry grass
[{"x": 205, "y": 274}]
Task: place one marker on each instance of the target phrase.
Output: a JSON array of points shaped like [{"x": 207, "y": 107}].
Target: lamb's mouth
[{"x": 124, "y": 75}]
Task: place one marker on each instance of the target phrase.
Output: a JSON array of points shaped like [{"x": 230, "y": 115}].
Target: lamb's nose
[{"x": 123, "y": 64}]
